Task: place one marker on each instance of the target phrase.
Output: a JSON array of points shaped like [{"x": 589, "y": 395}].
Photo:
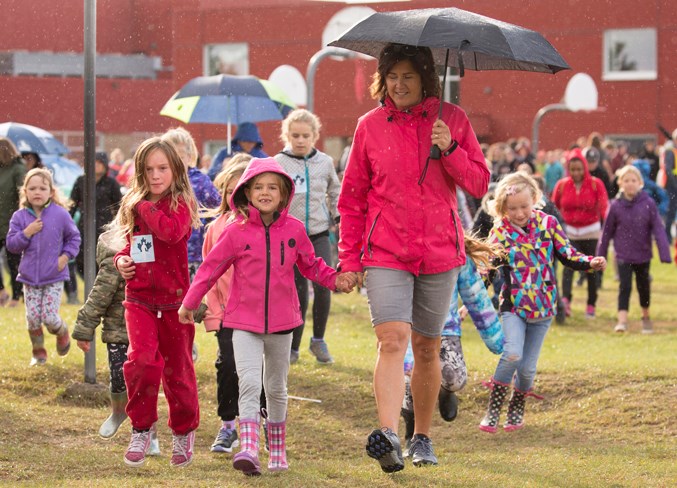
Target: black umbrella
[{"x": 475, "y": 41}]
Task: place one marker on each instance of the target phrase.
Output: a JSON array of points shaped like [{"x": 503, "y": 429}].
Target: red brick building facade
[{"x": 636, "y": 85}]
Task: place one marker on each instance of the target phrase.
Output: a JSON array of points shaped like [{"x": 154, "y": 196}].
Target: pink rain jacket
[
  {"x": 262, "y": 297},
  {"x": 387, "y": 218}
]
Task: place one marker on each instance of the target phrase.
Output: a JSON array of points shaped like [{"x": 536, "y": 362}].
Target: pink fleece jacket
[
  {"x": 217, "y": 294},
  {"x": 262, "y": 296}
]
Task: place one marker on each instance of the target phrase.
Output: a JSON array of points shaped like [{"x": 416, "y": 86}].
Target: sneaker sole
[
  {"x": 380, "y": 448},
  {"x": 134, "y": 464},
  {"x": 423, "y": 462},
  {"x": 219, "y": 448}
]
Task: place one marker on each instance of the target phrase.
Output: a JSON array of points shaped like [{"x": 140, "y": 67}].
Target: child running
[
  {"x": 227, "y": 390},
  {"x": 531, "y": 240},
  {"x": 633, "y": 218},
  {"x": 44, "y": 233},
  {"x": 477, "y": 303},
  {"x": 104, "y": 303},
  {"x": 156, "y": 216},
  {"x": 262, "y": 243}
]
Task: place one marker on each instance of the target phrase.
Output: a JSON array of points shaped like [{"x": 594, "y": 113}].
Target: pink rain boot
[
  {"x": 247, "y": 460},
  {"x": 277, "y": 434}
]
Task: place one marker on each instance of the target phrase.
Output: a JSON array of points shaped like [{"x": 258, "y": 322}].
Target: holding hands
[
  {"x": 345, "y": 282},
  {"x": 598, "y": 263},
  {"x": 185, "y": 315},
  {"x": 33, "y": 228}
]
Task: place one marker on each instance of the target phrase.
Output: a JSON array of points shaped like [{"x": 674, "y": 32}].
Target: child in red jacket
[{"x": 156, "y": 216}]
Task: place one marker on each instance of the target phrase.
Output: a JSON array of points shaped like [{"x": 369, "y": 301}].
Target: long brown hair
[
  {"x": 180, "y": 188},
  {"x": 8, "y": 151},
  {"x": 421, "y": 59},
  {"x": 482, "y": 252},
  {"x": 55, "y": 196}
]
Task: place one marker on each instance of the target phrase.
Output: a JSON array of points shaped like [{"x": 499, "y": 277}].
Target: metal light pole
[
  {"x": 89, "y": 214},
  {"x": 312, "y": 68}
]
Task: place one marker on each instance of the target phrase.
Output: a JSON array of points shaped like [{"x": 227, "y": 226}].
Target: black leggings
[
  {"x": 117, "y": 355},
  {"x": 589, "y": 247},
  {"x": 227, "y": 387},
  {"x": 641, "y": 271},
  {"x": 13, "y": 261},
  {"x": 322, "y": 300}
]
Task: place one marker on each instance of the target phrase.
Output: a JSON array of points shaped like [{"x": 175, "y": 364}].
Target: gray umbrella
[{"x": 475, "y": 41}]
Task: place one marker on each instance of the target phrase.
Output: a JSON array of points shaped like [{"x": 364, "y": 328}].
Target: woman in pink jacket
[
  {"x": 399, "y": 222},
  {"x": 262, "y": 243}
]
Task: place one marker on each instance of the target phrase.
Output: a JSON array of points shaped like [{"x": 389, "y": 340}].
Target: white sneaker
[{"x": 620, "y": 327}]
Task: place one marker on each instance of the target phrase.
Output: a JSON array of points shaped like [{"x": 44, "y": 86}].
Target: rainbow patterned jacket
[{"x": 529, "y": 288}]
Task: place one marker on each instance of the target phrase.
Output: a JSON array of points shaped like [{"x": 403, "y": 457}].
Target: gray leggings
[{"x": 257, "y": 353}]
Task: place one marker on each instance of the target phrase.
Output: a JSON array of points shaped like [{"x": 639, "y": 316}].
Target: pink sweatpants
[{"x": 160, "y": 350}]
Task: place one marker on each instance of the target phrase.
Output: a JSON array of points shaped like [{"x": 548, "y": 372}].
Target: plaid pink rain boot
[
  {"x": 247, "y": 460},
  {"x": 277, "y": 434}
]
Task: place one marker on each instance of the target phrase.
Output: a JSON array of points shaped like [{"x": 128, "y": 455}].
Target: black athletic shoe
[
  {"x": 421, "y": 451},
  {"x": 384, "y": 446}
]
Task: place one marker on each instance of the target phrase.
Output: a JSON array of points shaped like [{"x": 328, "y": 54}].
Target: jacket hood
[
  {"x": 644, "y": 168},
  {"x": 111, "y": 242},
  {"x": 247, "y": 131},
  {"x": 256, "y": 167},
  {"x": 427, "y": 108},
  {"x": 578, "y": 154},
  {"x": 288, "y": 152}
]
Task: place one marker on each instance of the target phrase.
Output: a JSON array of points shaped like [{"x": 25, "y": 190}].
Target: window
[
  {"x": 630, "y": 54},
  {"x": 226, "y": 59}
]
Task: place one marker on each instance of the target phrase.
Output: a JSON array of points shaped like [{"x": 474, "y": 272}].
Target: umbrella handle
[{"x": 435, "y": 151}]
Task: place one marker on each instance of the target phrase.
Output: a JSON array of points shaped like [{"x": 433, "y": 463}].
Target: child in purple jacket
[
  {"x": 44, "y": 233},
  {"x": 631, "y": 221}
]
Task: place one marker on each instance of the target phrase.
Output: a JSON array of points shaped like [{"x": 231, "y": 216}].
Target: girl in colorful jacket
[
  {"x": 400, "y": 224},
  {"x": 156, "y": 216},
  {"x": 476, "y": 302},
  {"x": 531, "y": 240},
  {"x": 44, "y": 233},
  {"x": 316, "y": 191},
  {"x": 262, "y": 243}
]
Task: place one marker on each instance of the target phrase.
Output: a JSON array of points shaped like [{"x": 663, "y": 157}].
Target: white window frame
[
  {"x": 236, "y": 53},
  {"x": 629, "y": 75}
]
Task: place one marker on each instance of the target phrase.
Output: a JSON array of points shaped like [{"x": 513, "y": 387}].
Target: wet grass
[{"x": 606, "y": 420}]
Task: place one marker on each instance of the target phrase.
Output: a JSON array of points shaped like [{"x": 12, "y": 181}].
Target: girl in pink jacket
[{"x": 262, "y": 243}]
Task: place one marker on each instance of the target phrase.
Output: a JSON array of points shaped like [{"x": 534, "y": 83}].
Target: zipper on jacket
[
  {"x": 305, "y": 163},
  {"x": 371, "y": 231},
  {"x": 267, "y": 289},
  {"x": 458, "y": 246},
  {"x": 282, "y": 253}
]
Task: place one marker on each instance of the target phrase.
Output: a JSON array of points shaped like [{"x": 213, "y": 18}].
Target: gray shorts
[{"x": 399, "y": 296}]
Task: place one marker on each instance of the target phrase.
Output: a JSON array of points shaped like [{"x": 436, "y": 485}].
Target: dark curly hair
[{"x": 421, "y": 59}]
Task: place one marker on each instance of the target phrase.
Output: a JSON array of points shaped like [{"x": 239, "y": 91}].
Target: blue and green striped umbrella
[{"x": 228, "y": 99}]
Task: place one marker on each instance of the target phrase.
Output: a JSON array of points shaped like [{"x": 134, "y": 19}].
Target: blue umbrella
[
  {"x": 64, "y": 171},
  {"x": 28, "y": 138},
  {"x": 228, "y": 99}
]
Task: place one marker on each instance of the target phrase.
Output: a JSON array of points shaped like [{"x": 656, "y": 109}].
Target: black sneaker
[
  {"x": 384, "y": 446},
  {"x": 421, "y": 451}
]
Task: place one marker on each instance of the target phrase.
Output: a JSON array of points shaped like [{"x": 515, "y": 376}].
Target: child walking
[
  {"x": 262, "y": 243},
  {"x": 156, "y": 216},
  {"x": 227, "y": 390},
  {"x": 633, "y": 218},
  {"x": 104, "y": 303},
  {"x": 531, "y": 240},
  {"x": 44, "y": 233},
  {"x": 315, "y": 197},
  {"x": 473, "y": 293}
]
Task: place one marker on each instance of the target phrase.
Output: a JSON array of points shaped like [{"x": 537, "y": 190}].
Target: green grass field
[{"x": 607, "y": 418}]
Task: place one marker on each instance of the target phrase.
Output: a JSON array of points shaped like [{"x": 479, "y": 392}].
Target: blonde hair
[
  {"x": 180, "y": 188},
  {"x": 481, "y": 252},
  {"x": 512, "y": 184},
  {"x": 621, "y": 173},
  {"x": 242, "y": 204},
  {"x": 236, "y": 160},
  {"x": 181, "y": 137},
  {"x": 55, "y": 196},
  {"x": 233, "y": 172},
  {"x": 303, "y": 116}
]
